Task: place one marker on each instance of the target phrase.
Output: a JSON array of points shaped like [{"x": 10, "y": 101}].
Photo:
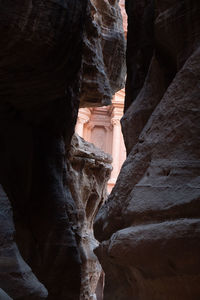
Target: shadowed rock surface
[
  {"x": 15, "y": 275},
  {"x": 41, "y": 41},
  {"x": 41, "y": 60},
  {"x": 149, "y": 227},
  {"x": 103, "y": 54},
  {"x": 4, "y": 296},
  {"x": 89, "y": 172}
]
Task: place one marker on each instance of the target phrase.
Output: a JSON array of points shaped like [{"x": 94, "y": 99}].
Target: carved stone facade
[{"x": 101, "y": 126}]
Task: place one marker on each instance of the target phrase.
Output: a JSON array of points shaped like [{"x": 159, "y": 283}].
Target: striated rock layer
[
  {"x": 89, "y": 171},
  {"x": 149, "y": 227},
  {"x": 42, "y": 59}
]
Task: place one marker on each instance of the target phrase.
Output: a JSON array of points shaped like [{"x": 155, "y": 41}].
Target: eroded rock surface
[
  {"x": 41, "y": 42},
  {"x": 15, "y": 275},
  {"x": 42, "y": 60},
  {"x": 4, "y": 296},
  {"x": 89, "y": 171},
  {"x": 149, "y": 227},
  {"x": 104, "y": 53}
]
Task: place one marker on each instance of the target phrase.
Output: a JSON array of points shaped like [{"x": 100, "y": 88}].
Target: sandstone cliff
[
  {"x": 149, "y": 227},
  {"x": 42, "y": 58}
]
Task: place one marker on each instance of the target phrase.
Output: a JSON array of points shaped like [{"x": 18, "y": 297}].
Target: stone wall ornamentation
[{"x": 101, "y": 126}]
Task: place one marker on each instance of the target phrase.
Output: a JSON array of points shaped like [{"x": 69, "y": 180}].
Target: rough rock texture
[
  {"x": 150, "y": 225},
  {"x": 104, "y": 53},
  {"x": 89, "y": 171},
  {"x": 41, "y": 41},
  {"x": 41, "y": 60},
  {"x": 124, "y": 16},
  {"x": 140, "y": 43},
  {"x": 15, "y": 275},
  {"x": 4, "y": 296}
]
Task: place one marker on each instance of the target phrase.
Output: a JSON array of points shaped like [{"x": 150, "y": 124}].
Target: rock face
[
  {"x": 42, "y": 60},
  {"x": 4, "y": 296},
  {"x": 15, "y": 275},
  {"x": 104, "y": 53},
  {"x": 140, "y": 45},
  {"x": 149, "y": 227},
  {"x": 89, "y": 171},
  {"x": 39, "y": 102}
]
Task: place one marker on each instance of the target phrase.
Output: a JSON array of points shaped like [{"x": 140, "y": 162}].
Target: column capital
[
  {"x": 84, "y": 115},
  {"x": 115, "y": 122},
  {"x": 82, "y": 120}
]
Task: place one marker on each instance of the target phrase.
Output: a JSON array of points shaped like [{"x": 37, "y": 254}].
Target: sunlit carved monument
[{"x": 101, "y": 126}]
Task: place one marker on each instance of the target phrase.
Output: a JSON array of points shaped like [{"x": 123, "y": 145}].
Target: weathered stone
[
  {"x": 89, "y": 171},
  {"x": 4, "y": 296},
  {"x": 124, "y": 16},
  {"x": 154, "y": 261},
  {"x": 149, "y": 227},
  {"x": 140, "y": 45},
  {"x": 41, "y": 42},
  {"x": 140, "y": 110},
  {"x": 42, "y": 61},
  {"x": 16, "y": 278},
  {"x": 103, "y": 54}
]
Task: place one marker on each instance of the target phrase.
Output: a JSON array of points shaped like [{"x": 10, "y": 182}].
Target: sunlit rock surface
[
  {"x": 89, "y": 171},
  {"x": 149, "y": 227}
]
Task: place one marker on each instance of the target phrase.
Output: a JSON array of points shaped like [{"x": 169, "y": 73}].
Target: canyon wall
[
  {"x": 89, "y": 171},
  {"x": 149, "y": 227},
  {"x": 45, "y": 48},
  {"x": 103, "y": 54}
]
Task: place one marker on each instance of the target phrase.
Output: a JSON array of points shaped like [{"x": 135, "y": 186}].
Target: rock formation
[
  {"x": 149, "y": 227},
  {"x": 89, "y": 171},
  {"x": 15, "y": 275},
  {"x": 4, "y": 296},
  {"x": 104, "y": 54},
  {"x": 42, "y": 58}
]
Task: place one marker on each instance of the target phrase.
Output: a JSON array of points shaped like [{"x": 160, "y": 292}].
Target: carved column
[
  {"x": 79, "y": 126},
  {"x": 83, "y": 118},
  {"x": 116, "y": 146}
]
